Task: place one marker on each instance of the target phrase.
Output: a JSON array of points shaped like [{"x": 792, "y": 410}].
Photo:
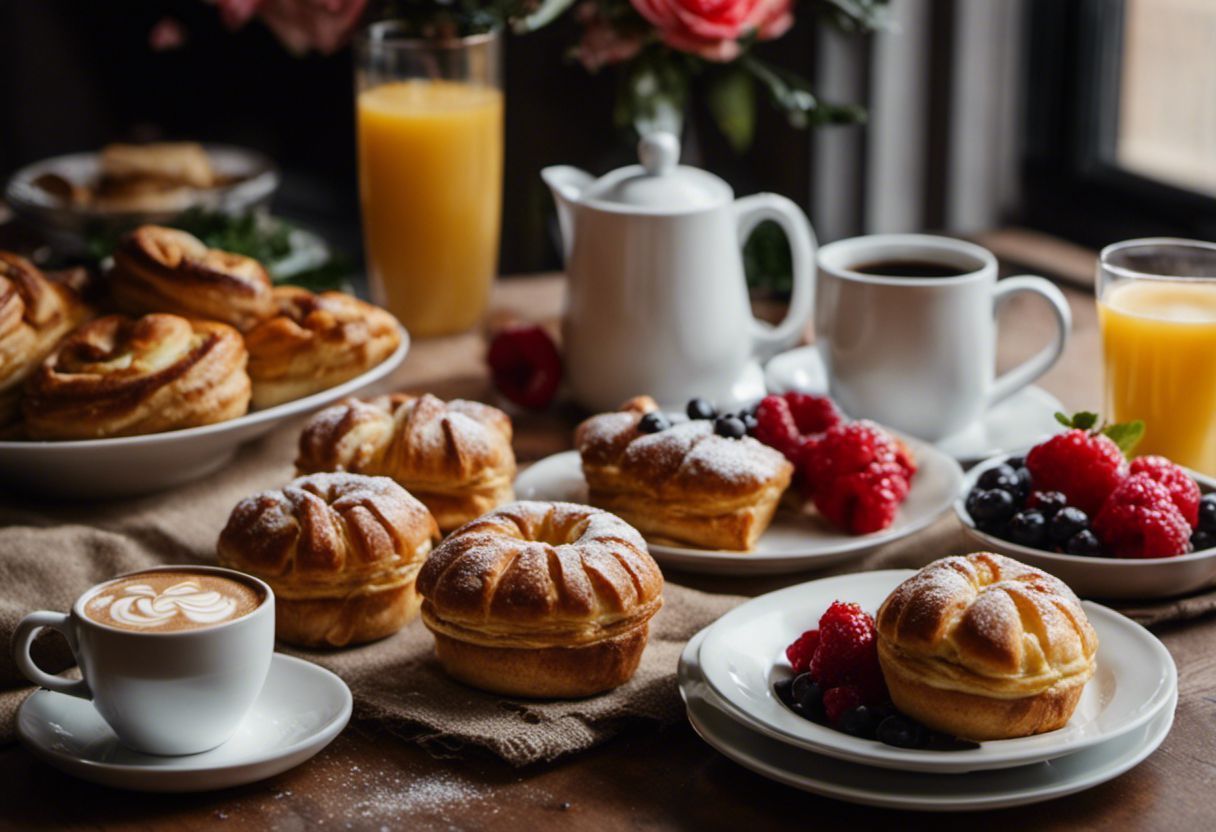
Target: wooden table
[{"x": 649, "y": 778}]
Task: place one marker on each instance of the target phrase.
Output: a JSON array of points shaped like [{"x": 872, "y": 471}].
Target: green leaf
[
  {"x": 1064, "y": 419},
  {"x": 1084, "y": 420},
  {"x": 731, "y": 99},
  {"x": 1126, "y": 435}
]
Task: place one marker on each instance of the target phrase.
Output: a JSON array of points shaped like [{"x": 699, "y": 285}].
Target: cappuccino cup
[
  {"x": 906, "y": 327},
  {"x": 172, "y": 657}
]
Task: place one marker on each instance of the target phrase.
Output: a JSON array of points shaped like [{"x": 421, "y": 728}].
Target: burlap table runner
[{"x": 50, "y": 554}]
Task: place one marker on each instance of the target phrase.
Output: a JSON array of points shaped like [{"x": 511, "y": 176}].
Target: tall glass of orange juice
[
  {"x": 429, "y": 122},
  {"x": 1157, "y": 312}
]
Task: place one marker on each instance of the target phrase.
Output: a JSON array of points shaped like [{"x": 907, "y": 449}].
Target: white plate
[
  {"x": 792, "y": 543},
  {"x": 301, "y": 708},
  {"x": 1021, "y": 420},
  {"x": 744, "y": 654},
  {"x": 127, "y": 465},
  {"x": 1094, "y": 577},
  {"x": 918, "y": 791}
]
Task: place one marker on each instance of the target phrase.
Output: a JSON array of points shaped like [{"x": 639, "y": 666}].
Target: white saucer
[
  {"x": 1095, "y": 577},
  {"x": 1018, "y": 422},
  {"x": 792, "y": 543},
  {"x": 300, "y": 710},
  {"x": 919, "y": 791},
  {"x": 127, "y": 465},
  {"x": 743, "y": 654}
]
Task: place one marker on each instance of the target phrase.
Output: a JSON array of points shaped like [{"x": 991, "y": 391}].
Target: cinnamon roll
[
  {"x": 315, "y": 342},
  {"x": 166, "y": 270},
  {"x": 34, "y": 314},
  {"x": 118, "y": 376}
]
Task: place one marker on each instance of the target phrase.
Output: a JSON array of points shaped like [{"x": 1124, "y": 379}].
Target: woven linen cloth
[{"x": 51, "y": 553}]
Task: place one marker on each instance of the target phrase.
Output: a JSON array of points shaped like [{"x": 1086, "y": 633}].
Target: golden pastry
[
  {"x": 454, "y": 456},
  {"x": 119, "y": 376},
  {"x": 684, "y": 483},
  {"x": 172, "y": 163},
  {"x": 315, "y": 342},
  {"x": 541, "y": 599},
  {"x": 34, "y": 314},
  {"x": 985, "y": 647},
  {"x": 166, "y": 270},
  {"x": 340, "y": 551}
]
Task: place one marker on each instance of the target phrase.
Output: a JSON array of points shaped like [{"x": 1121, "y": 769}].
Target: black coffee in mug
[{"x": 909, "y": 268}]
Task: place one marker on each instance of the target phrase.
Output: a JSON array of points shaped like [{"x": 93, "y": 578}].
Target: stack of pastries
[{"x": 201, "y": 335}]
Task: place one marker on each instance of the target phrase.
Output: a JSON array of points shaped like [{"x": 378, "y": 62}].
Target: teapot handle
[{"x": 750, "y": 211}]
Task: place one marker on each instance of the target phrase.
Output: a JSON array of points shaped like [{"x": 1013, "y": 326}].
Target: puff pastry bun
[
  {"x": 455, "y": 456},
  {"x": 314, "y": 342},
  {"x": 166, "y": 270},
  {"x": 541, "y": 600},
  {"x": 34, "y": 314},
  {"x": 985, "y": 647},
  {"x": 118, "y": 376},
  {"x": 685, "y": 483},
  {"x": 341, "y": 552}
]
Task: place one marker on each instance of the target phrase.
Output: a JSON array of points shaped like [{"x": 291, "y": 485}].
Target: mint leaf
[
  {"x": 1081, "y": 421},
  {"x": 1126, "y": 435},
  {"x": 1064, "y": 419}
]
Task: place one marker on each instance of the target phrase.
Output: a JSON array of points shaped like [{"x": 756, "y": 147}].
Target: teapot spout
[{"x": 567, "y": 184}]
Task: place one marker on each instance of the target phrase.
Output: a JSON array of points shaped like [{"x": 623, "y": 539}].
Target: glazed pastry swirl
[
  {"x": 166, "y": 270},
  {"x": 120, "y": 377}
]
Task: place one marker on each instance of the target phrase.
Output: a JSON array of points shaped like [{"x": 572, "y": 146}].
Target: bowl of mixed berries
[{"x": 1080, "y": 507}]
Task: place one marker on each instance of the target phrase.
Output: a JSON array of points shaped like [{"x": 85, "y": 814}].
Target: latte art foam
[{"x": 172, "y": 600}]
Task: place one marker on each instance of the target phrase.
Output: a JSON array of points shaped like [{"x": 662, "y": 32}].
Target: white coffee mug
[
  {"x": 919, "y": 353},
  {"x": 170, "y": 693}
]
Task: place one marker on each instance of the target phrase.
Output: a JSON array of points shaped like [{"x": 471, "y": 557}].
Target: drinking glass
[
  {"x": 429, "y": 116},
  {"x": 1157, "y": 312}
]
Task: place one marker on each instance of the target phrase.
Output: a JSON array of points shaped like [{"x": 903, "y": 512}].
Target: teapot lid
[{"x": 659, "y": 183}]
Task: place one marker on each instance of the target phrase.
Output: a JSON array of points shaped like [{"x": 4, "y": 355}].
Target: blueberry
[
  {"x": 701, "y": 409},
  {"x": 994, "y": 506},
  {"x": 1048, "y": 503},
  {"x": 751, "y": 422},
  {"x": 1068, "y": 521},
  {"x": 859, "y": 722},
  {"x": 1016, "y": 462},
  {"x": 1028, "y": 528},
  {"x": 1024, "y": 485},
  {"x": 807, "y": 697},
  {"x": 1201, "y": 540},
  {"x": 1207, "y": 512},
  {"x": 731, "y": 427},
  {"x": 902, "y": 732},
  {"x": 1085, "y": 543},
  {"x": 1002, "y": 477},
  {"x": 653, "y": 422},
  {"x": 782, "y": 689}
]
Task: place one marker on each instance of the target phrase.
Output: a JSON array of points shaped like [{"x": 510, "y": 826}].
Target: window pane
[{"x": 1167, "y": 106}]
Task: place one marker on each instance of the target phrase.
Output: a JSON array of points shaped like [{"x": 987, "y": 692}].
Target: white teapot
[{"x": 657, "y": 302}]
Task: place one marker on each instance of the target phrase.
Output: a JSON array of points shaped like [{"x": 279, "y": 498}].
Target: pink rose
[
  {"x": 300, "y": 25},
  {"x": 602, "y": 43},
  {"x": 712, "y": 28}
]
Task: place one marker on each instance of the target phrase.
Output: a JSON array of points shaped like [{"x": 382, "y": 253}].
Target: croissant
[
  {"x": 541, "y": 599},
  {"x": 34, "y": 314},
  {"x": 314, "y": 342},
  {"x": 166, "y": 270},
  {"x": 455, "y": 456},
  {"x": 340, "y": 551},
  {"x": 118, "y": 376},
  {"x": 684, "y": 483}
]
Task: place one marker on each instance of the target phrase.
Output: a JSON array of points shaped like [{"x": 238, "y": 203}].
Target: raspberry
[
  {"x": 1140, "y": 520},
  {"x": 839, "y": 700},
  {"x": 847, "y": 653},
  {"x": 775, "y": 426},
  {"x": 866, "y": 501},
  {"x": 848, "y": 449},
  {"x": 812, "y": 414},
  {"x": 802, "y": 650},
  {"x": 1183, "y": 490},
  {"x": 525, "y": 365},
  {"x": 1085, "y": 467}
]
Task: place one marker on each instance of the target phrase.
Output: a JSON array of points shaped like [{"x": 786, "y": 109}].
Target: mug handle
[
  {"x": 750, "y": 211},
  {"x": 27, "y": 630},
  {"x": 1029, "y": 370}
]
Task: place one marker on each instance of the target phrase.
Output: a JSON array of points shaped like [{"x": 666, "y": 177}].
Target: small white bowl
[
  {"x": 1096, "y": 577},
  {"x": 128, "y": 465}
]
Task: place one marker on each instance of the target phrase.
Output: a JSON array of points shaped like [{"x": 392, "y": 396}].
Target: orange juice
[
  {"x": 430, "y": 181},
  {"x": 1159, "y": 341}
]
